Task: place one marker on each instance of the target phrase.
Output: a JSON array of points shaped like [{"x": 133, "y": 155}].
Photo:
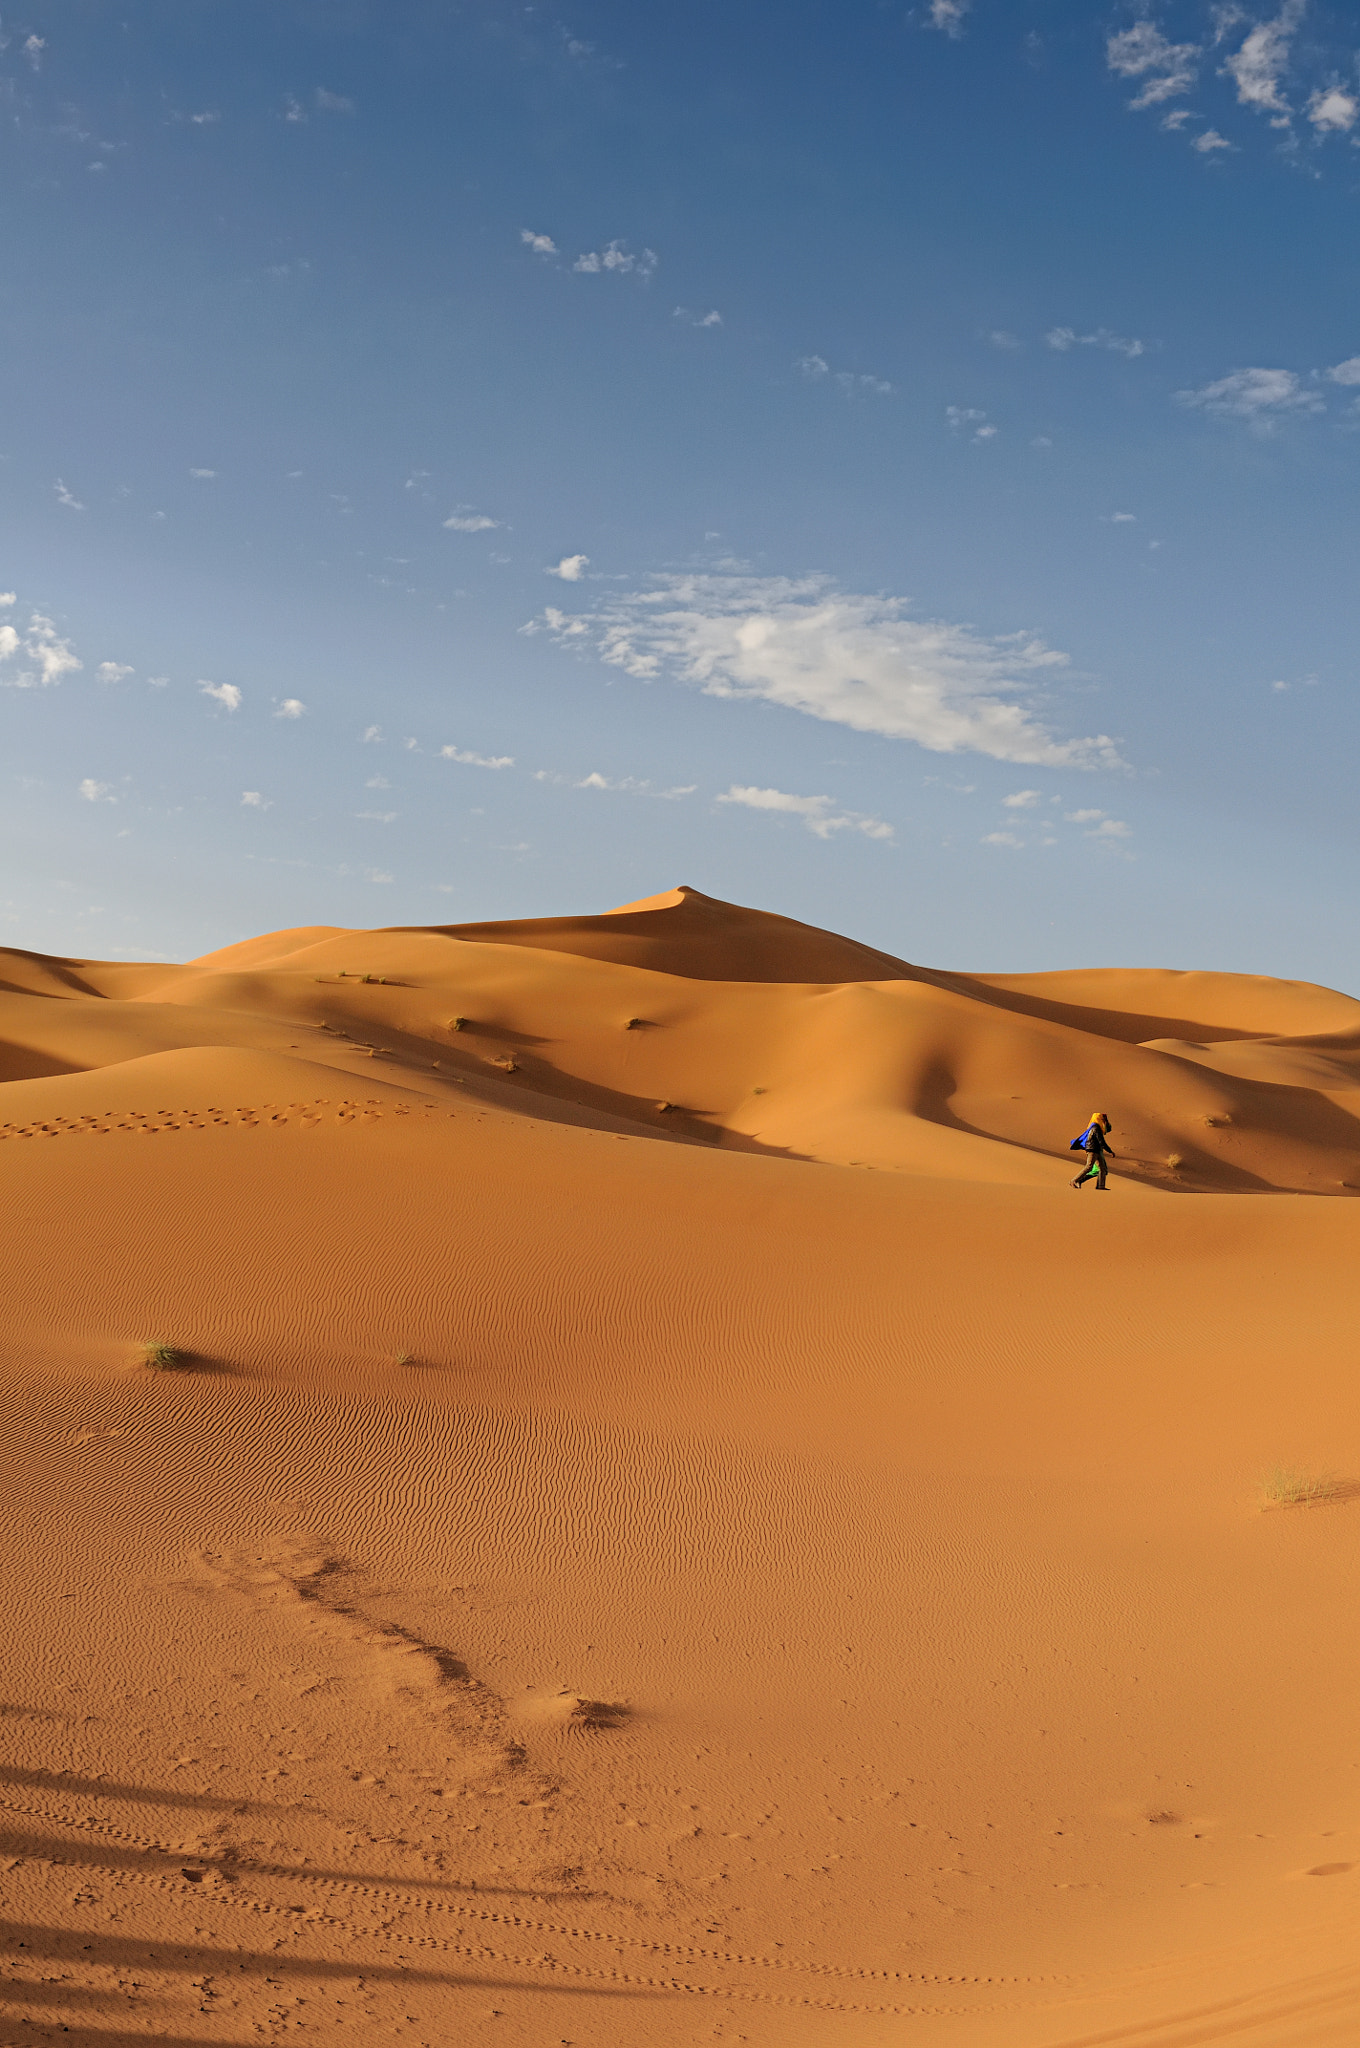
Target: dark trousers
[{"x": 1095, "y": 1164}]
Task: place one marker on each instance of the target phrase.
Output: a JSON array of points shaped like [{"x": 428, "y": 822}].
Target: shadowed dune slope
[{"x": 669, "y": 1522}]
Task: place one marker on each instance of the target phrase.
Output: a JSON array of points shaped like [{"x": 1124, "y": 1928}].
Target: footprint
[{"x": 1329, "y": 1870}]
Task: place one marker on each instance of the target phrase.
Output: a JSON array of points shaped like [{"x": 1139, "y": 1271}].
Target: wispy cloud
[
  {"x": 254, "y": 800},
  {"x": 854, "y": 660},
  {"x": 472, "y": 522},
  {"x": 471, "y": 760},
  {"x": 1258, "y": 68},
  {"x": 1260, "y": 397},
  {"x": 372, "y": 735},
  {"x": 1347, "y": 372},
  {"x": 571, "y": 568},
  {"x": 854, "y": 383},
  {"x": 97, "y": 792},
  {"x": 969, "y": 416},
  {"x": 41, "y": 655},
  {"x": 948, "y": 15},
  {"x": 1022, "y": 800},
  {"x": 820, "y": 814},
  {"x": 618, "y": 258},
  {"x": 291, "y": 707},
  {"x": 225, "y": 694},
  {"x": 1167, "y": 69},
  {"x": 113, "y": 671},
  {"x": 332, "y": 102},
  {"x": 710, "y": 319},
  {"x": 631, "y": 785},
  {"x": 67, "y": 498},
  {"x": 542, "y": 245},
  {"x": 1211, "y": 142},
  {"x": 1064, "y": 338},
  {"x": 204, "y": 475},
  {"x": 378, "y": 817}
]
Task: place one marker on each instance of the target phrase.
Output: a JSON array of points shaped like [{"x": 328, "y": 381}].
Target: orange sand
[{"x": 772, "y": 1567}]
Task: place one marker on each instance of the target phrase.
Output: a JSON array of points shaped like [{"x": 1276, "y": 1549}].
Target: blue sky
[{"x": 894, "y": 465}]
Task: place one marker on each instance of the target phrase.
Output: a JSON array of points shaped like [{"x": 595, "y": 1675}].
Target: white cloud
[
  {"x": 1123, "y": 519},
  {"x": 711, "y": 319},
  {"x": 379, "y": 875},
  {"x": 1064, "y": 338},
  {"x": 1001, "y": 839},
  {"x": 1083, "y": 817},
  {"x": 292, "y": 109},
  {"x": 472, "y": 522},
  {"x": 470, "y": 760},
  {"x": 1001, "y": 337},
  {"x": 33, "y": 47},
  {"x": 1111, "y": 828},
  {"x": 1347, "y": 372},
  {"x": 44, "y": 656},
  {"x": 571, "y": 568},
  {"x": 225, "y": 694},
  {"x": 377, "y": 782},
  {"x": 969, "y": 416},
  {"x": 113, "y": 671},
  {"x": 378, "y": 817},
  {"x": 948, "y": 15},
  {"x": 254, "y": 801},
  {"x": 1260, "y": 397},
  {"x": 1144, "y": 52},
  {"x": 851, "y": 659},
  {"x": 372, "y": 735},
  {"x": 1333, "y": 111},
  {"x": 542, "y": 245},
  {"x": 204, "y": 475},
  {"x": 8, "y": 597},
  {"x": 1023, "y": 800},
  {"x": 157, "y": 682},
  {"x": 291, "y": 707},
  {"x": 818, "y": 813},
  {"x": 851, "y": 382},
  {"x": 97, "y": 792},
  {"x": 332, "y": 102},
  {"x": 618, "y": 257},
  {"x": 1259, "y": 66},
  {"x": 68, "y": 498},
  {"x": 1210, "y": 141}
]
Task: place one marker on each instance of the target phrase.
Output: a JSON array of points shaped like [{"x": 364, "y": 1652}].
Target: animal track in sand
[
  {"x": 298, "y": 1115},
  {"x": 229, "y": 1874}
]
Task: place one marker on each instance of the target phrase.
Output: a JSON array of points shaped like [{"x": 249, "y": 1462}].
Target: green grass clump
[
  {"x": 157, "y": 1357},
  {"x": 1285, "y": 1487}
]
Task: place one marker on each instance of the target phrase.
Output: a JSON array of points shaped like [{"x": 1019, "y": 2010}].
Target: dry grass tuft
[
  {"x": 158, "y": 1357},
  {"x": 1286, "y": 1487}
]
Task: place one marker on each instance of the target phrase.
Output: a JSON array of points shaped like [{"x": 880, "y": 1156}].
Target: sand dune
[{"x": 673, "y": 1523}]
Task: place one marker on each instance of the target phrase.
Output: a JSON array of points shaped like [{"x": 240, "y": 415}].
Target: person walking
[{"x": 1092, "y": 1142}]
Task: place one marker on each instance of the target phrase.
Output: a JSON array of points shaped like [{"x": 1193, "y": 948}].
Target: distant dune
[{"x": 666, "y": 1520}]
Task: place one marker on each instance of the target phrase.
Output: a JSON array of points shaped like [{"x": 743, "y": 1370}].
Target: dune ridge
[{"x": 672, "y": 1522}]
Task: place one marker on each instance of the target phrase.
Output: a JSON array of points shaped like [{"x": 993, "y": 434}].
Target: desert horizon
[{"x": 597, "y": 1483}]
